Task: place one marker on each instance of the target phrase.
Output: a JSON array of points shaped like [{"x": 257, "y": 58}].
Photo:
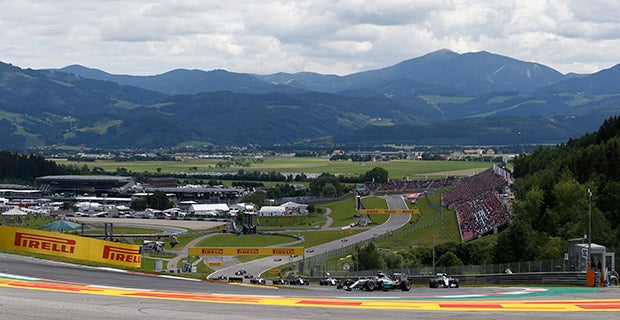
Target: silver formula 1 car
[
  {"x": 380, "y": 282},
  {"x": 442, "y": 280}
]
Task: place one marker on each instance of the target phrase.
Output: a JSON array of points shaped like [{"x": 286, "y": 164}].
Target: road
[
  {"x": 38, "y": 289},
  {"x": 70, "y": 292},
  {"x": 259, "y": 266}
]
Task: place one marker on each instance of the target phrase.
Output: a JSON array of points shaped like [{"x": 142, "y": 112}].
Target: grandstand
[
  {"x": 427, "y": 185},
  {"x": 477, "y": 203}
]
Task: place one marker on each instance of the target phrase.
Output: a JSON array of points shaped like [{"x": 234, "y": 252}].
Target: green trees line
[
  {"x": 25, "y": 168},
  {"x": 553, "y": 201}
]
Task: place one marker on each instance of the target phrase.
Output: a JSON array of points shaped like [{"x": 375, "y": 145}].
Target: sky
[{"x": 324, "y": 36}]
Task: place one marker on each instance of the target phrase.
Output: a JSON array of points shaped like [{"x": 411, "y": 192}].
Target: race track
[{"x": 38, "y": 289}]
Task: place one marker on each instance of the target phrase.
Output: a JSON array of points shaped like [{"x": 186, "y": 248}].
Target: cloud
[{"x": 327, "y": 36}]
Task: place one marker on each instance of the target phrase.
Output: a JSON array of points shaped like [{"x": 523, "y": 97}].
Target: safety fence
[{"x": 525, "y": 267}]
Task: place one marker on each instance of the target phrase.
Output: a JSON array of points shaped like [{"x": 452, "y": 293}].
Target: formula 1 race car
[
  {"x": 345, "y": 283},
  {"x": 329, "y": 281},
  {"x": 278, "y": 281},
  {"x": 258, "y": 280},
  {"x": 381, "y": 282},
  {"x": 442, "y": 280},
  {"x": 299, "y": 281}
]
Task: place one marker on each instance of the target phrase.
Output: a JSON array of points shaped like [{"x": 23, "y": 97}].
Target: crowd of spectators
[
  {"x": 475, "y": 199},
  {"x": 410, "y": 185},
  {"x": 477, "y": 204}
]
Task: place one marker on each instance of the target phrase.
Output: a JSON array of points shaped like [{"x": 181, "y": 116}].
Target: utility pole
[
  {"x": 434, "y": 271},
  {"x": 589, "y": 228}
]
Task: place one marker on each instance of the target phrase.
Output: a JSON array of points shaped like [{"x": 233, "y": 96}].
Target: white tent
[
  {"x": 14, "y": 212},
  {"x": 272, "y": 211},
  {"x": 209, "y": 209}
]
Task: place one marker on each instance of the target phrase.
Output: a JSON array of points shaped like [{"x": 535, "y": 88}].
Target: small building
[
  {"x": 185, "y": 205},
  {"x": 89, "y": 206},
  {"x": 272, "y": 211},
  {"x": 211, "y": 209},
  {"x": 577, "y": 256},
  {"x": 244, "y": 207},
  {"x": 293, "y": 208},
  {"x": 473, "y": 151}
]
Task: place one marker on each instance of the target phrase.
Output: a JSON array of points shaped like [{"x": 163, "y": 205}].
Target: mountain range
[{"x": 442, "y": 97}]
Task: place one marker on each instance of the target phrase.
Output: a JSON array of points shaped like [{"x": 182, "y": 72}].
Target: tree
[
  {"x": 329, "y": 190},
  {"x": 257, "y": 198},
  {"x": 67, "y": 205},
  {"x": 369, "y": 258},
  {"x": 158, "y": 200},
  {"x": 514, "y": 243},
  {"x": 554, "y": 248},
  {"x": 393, "y": 260},
  {"x": 377, "y": 174},
  {"x": 138, "y": 204},
  {"x": 449, "y": 259},
  {"x": 317, "y": 185}
]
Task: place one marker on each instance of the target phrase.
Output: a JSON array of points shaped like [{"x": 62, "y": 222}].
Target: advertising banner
[
  {"x": 389, "y": 211},
  {"x": 234, "y": 251},
  {"x": 70, "y": 246}
]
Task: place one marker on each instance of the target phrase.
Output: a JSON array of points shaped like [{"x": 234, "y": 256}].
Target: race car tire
[
  {"x": 370, "y": 286},
  {"x": 405, "y": 285},
  {"x": 432, "y": 283}
]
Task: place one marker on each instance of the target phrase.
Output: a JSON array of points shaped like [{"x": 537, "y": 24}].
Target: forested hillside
[
  {"x": 442, "y": 98},
  {"x": 24, "y": 168},
  {"x": 552, "y": 199}
]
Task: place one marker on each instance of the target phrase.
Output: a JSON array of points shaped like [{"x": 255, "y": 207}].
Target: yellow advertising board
[
  {"x": 215, "y": 263},
  {"x": 389, "y": 211},
  {"x": 70, "y": 246},
  {"x": 246, "y": 251}
]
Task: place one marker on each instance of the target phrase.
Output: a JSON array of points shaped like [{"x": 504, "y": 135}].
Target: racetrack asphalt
[{"x": 38, "y": 289}]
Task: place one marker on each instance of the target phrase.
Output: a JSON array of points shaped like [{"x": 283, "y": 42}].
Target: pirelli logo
[
  {"x": 284, "y": 251},
  {"x": 248, "y": 251},
  {"x": 212, "y": 251},
  {"x": 121, "y": 254},
  {"x": 44, "y": 243}
]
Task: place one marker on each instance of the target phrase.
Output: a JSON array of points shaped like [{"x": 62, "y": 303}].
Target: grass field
[
  {"x": 445, "y": 230},
  {"x": 280, "y": 222},
  {"x": 397, "y": 169}
]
